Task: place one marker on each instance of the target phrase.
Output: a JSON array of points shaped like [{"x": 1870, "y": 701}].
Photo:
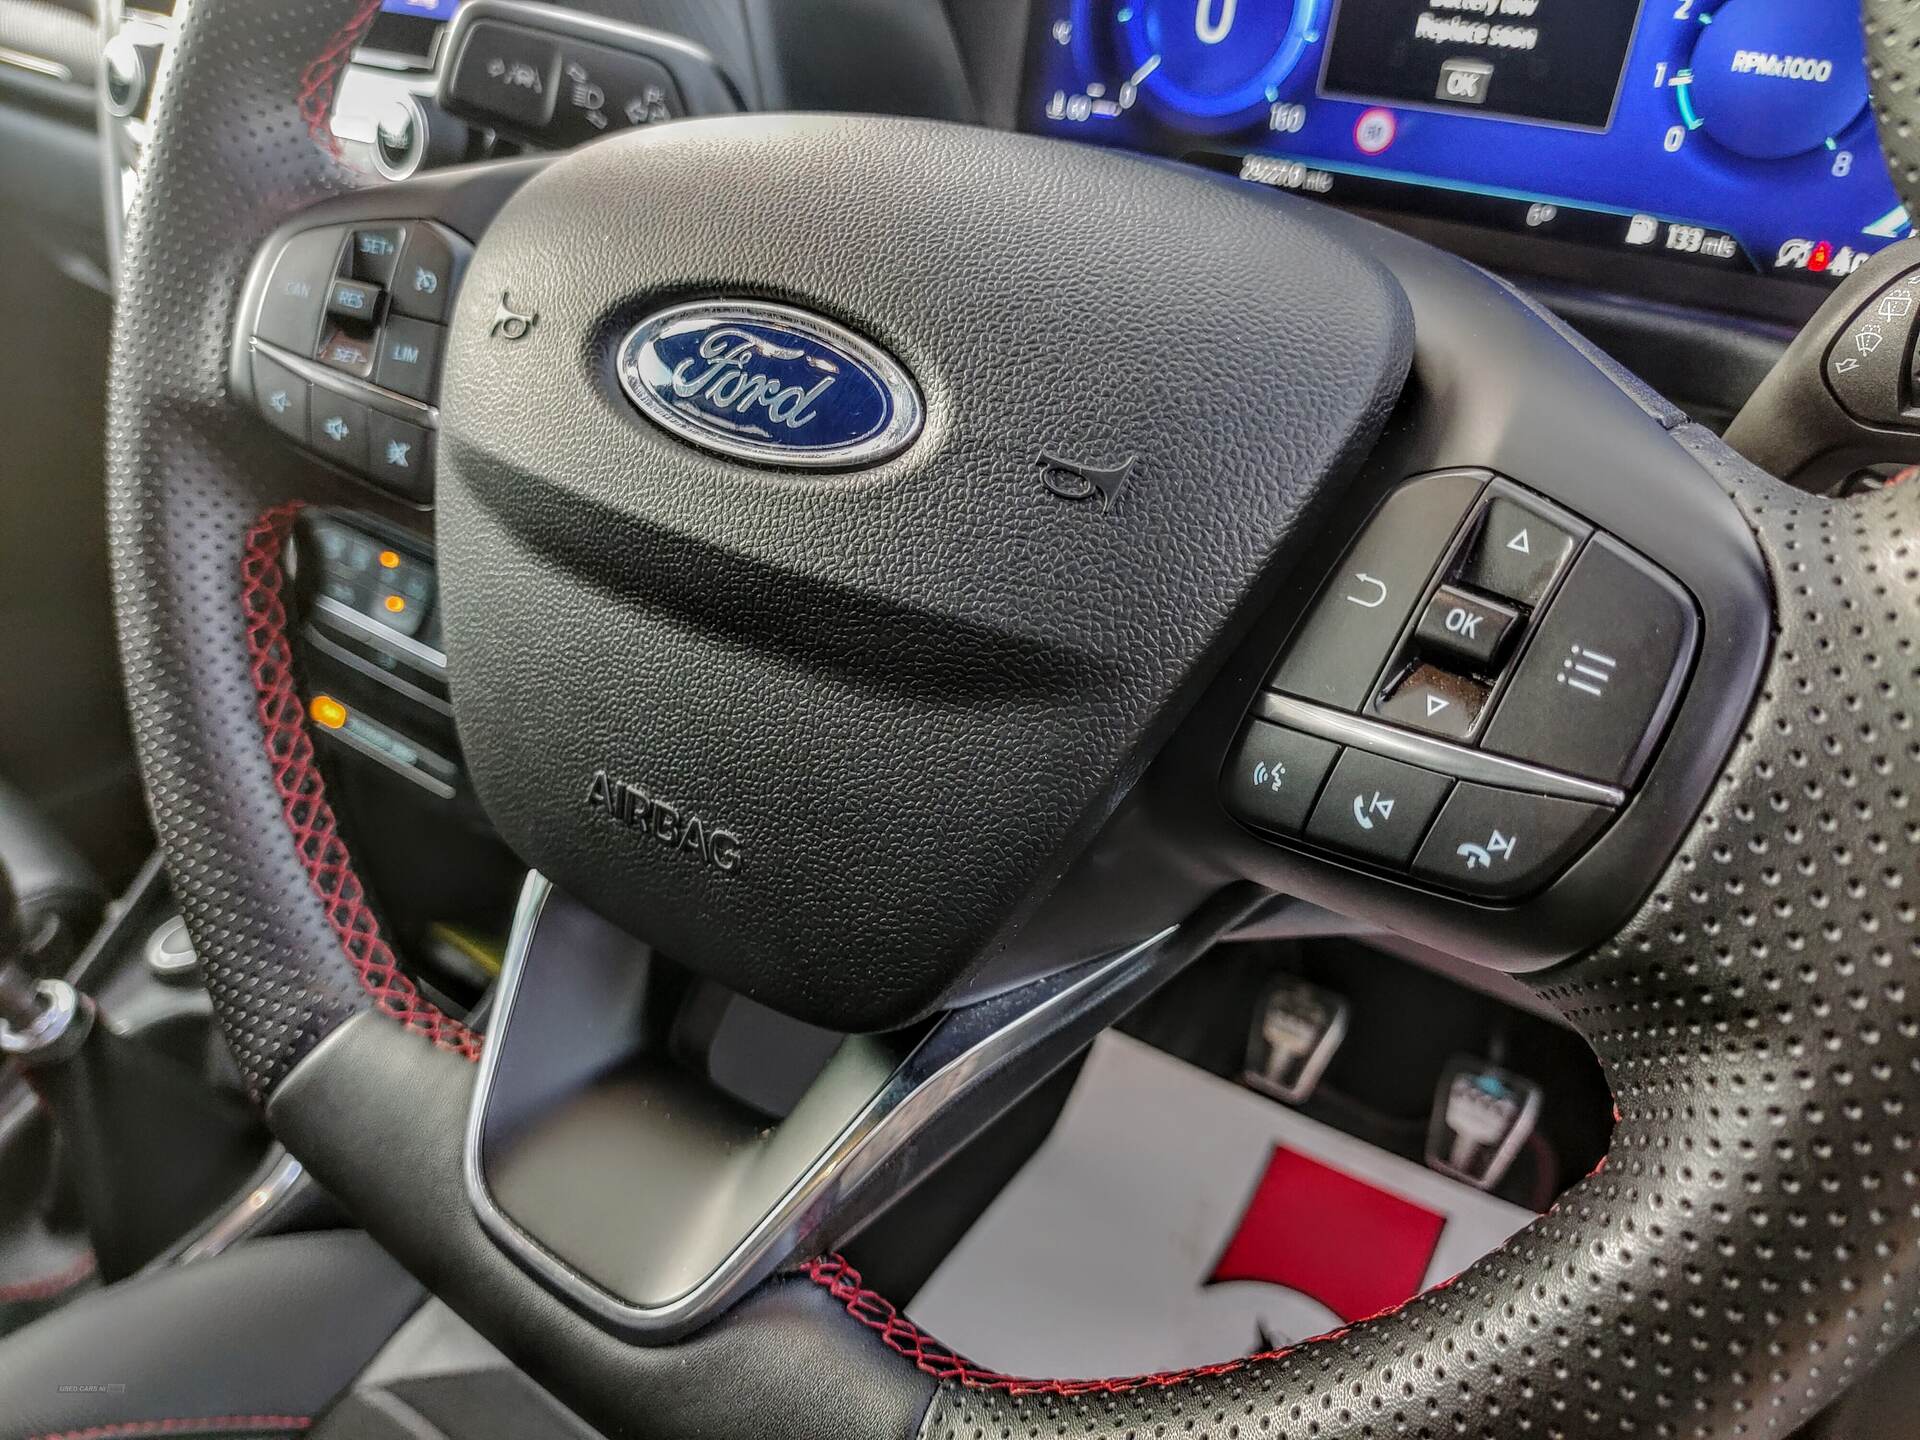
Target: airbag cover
[{"x": 829, "y": 737}]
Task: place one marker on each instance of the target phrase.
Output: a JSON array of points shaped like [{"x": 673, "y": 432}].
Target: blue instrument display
[
  {"x": 425, "y": 9},
  {"x": 1725, "y": 135}
]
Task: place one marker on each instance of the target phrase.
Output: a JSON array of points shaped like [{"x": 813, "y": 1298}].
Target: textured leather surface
[
  {"x": 1893, "y": 77},
  {"x": 1749, "y": 1247},
  {"x": 188, "y": 472},
  {"x": 49, "y": 876},
  {"x": 788, "y": 1362},
  {"x": 272, "y": 1329},
  {"x": 914, "y": 691},
  {"x": 438, "y": 1379}
]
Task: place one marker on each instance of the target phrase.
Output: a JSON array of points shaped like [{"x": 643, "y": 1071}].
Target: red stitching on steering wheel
[
  {"x": 303, "y": 796},
  {"x": 318, "y": 80},
  {"x": 928, "y": 1355}
]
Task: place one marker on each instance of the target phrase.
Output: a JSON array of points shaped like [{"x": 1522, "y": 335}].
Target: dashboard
[{"x": 1722, "y": 152}]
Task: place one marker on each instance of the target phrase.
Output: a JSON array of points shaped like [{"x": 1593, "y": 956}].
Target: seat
[{"x": 319, "y": 1335}]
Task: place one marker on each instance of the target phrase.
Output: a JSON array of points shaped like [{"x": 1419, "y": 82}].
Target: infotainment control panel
[
  {"x": 1725, "y": 144},
  {"x": 1472, "y": 697}
]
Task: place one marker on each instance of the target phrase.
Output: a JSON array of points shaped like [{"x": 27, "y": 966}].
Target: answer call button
[{"x": 1377, "y": 807}]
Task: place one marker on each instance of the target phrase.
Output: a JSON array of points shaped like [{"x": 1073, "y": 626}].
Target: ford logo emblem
[{"x": 769, "y": 383}]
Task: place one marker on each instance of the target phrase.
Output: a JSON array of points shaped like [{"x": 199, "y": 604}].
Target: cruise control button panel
[
  {"x": 346, "y": 343},
  {"x": 1496, "y": 675}
]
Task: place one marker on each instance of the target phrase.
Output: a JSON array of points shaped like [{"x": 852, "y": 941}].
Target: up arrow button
[{"x": 1520, "y": 550}]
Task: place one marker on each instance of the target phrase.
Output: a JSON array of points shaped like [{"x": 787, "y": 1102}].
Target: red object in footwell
[{"x": 1352, "y": 1246}]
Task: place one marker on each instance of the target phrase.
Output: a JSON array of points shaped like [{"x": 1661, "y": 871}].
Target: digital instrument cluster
[
  {"x": 1729, "y": 136},
  {"x": 410, "y": 28}
]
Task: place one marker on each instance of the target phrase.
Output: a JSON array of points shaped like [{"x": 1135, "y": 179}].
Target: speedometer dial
[{"x": 1214, "y": 60}]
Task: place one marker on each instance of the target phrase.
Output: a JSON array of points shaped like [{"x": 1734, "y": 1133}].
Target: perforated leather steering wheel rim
[{"x": 1747, "y": 1250}]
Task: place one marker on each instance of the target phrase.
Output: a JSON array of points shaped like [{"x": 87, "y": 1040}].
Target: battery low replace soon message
[{"x": 1552, "y": 60}]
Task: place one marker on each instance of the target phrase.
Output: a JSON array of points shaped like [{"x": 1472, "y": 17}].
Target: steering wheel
[{"x": 962, "y": 713}]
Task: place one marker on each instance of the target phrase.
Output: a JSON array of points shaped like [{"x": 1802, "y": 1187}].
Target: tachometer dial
[
  {"x": 1213, "y": 60},
  {"x": 1770, "y": 79}
]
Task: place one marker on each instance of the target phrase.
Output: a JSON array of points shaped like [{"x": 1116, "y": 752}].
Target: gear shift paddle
[{"x": 146, "y": 1148}]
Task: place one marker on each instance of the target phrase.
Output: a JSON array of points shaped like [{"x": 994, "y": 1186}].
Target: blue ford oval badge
[{"x": 769, "y": 383}]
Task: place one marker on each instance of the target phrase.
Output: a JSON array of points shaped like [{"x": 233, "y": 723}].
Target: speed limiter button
[{"x": 1502, "y": 844}]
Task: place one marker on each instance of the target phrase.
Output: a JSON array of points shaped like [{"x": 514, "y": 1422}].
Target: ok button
[
  {"x": 1466, "y": 626},
  {"x": 1464, "y": 82}
]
